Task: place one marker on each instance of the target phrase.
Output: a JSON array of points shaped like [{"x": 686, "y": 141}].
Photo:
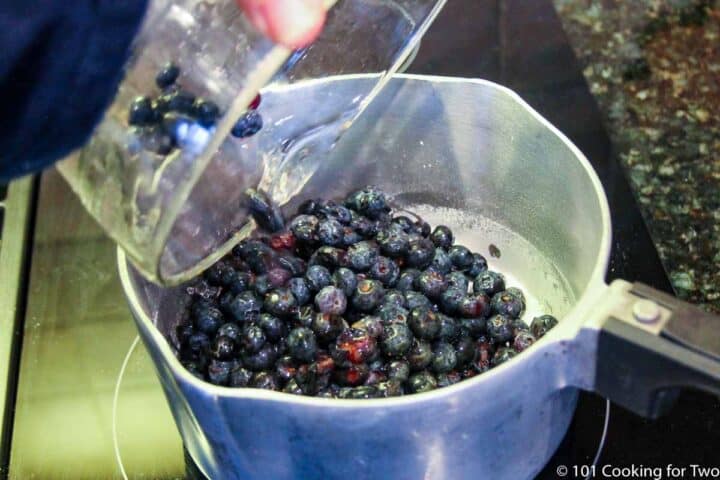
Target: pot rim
[{"x": 566, "y": 329}]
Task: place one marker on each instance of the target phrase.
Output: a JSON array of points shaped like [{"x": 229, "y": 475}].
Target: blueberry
[
  {"x": 461, "y": 257},
  {"x": 354, "y": 345},
  {"x": 141, "y": 112},
  {"x": 345, "y": 280},
  {"x": 420, "y": 355},
  {"x": 219, "y": 371},
  {"x": 489, "y": 283},
  {"x": 324, "y": 363},
  {"x": 420, "y": 253},
  {"x": 331, "y": 300},
  {"x": 523, "y": 340},
  {"x": 393, "y": 242},
  {"x": 415, "y": 299},
  {"x": 310, "y": 207},
  {"x": 247, "y": 125},
  {"x": 365, "y": 227},
  {"x": 252, "y": 338},
  {"x": 447, "y": 379},
  {"x": 422, "y": 228},
  {"x": 295, "y": 265},
  {"x": 424, "y": 323},
  {"x": 362, "y": 255},
  {"x": 396, "y": 340},
  {"x": 257, "y": 255},
  {"x": 330, "y": 232},
  {"x": 305, "y": 227},
  {"x": 338, "y": 212},
  {"x": 329, "y": 257},
  {"x": 508, "y": 304},
  {"x": 422, "y": 382},
  {"x": 240, "y": 377},
  {"x": 394, "y": 297},
  {"x": 278, "y": 277},
  {"x": 398, "y": 370},
  {"x": 184, "y": 332},
  {"x": 265, "y": 213},
  {"x": 167, "y": 75},
  {"x": 403, "y": 222},
  {"x": 219, "y": 274},
  {"x": 200, "y": 305},
  {"x": 518, "y": 294},
  {"x": 317, "y": 277},
  {"x": 280, "y": 302},
  {"x": 464, "y": 351},
  {"x": 385, "y": 271},
  {"x": 302, "y": 344},
  {"x": 208, "y": 320},
  {"x": 206, "y": 112},
  {"x": 431, "y": 283},
  {"x": 265, "y": 381},
  {"x": 272, "y": 326},
  {"x": 499, "y": 327},
  {"x": 262, "y": 285},
  {"x": 199, "y": 343},
  {"x": 542, "y": 324},
  {"x": 223, "y": 348},
  {"x": 407, "y": 279},
  {"x": 389, "y": 388},
  {"x": 351, "y": 375},
  {"x": 371, "y": 324},
  {"x": 245, "y": 306},
  {"x": 503, "y": 355},
  {"x": 350, "y": 237},
  {"x": 444, "y": 358},
  {"x": 368, "y": 295},
  {"x": 293, "y": 388},
  {"x": 478, "y": 265},
  {"x": 457, "y": 280},
  {"x": 449, "y": 330},
  {"x": 180, "y": 101},
  {"x": 304, "y": 315},
  {"x": 518, "y": 325},
  {"x": 369, "y": 201},
  {"x": 300, "y": 290},
  {"x": 285, "y": 368},
  {"x": 442, "y": 237},
  {"x": 390, "y": 313},
  {"x": 240, "y": 282},
  {"x": 441, "y": 261},
  {"x": 475, "y": 326},
  {"x": 475, "y": 305}
]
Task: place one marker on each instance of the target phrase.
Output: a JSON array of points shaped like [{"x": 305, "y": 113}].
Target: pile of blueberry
[
  {"x": 348, "y": 300},
  {"x": 177, "y": 117}
]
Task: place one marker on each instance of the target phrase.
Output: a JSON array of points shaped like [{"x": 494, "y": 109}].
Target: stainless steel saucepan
[{"x": 474, "y": 156}]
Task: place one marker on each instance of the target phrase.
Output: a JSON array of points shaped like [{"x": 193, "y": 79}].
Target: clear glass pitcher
[{"x": 169, "y": 188}]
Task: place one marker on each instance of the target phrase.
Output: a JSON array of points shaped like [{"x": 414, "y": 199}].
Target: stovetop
[{"x": 74, "y": 420}]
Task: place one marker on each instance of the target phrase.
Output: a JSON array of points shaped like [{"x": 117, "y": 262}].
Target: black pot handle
[{"x": 650, "y": 346}]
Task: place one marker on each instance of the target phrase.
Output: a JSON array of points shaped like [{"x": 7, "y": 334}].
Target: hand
[{"x": 292, "y": 23}]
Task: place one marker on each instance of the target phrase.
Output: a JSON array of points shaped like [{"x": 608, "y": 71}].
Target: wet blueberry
[
  {"x": 265, "y": 381},
  {"x": 310, "y": 207},
  {"x": 502, "y": 355},
  {"x": 265, "y": 213},
  {"x": 475, "y": 305},
  {"x": 219, "y": 274},
  {"x": 542, "y": 324},
  {"x": 431, "y": 283},
  {"x": 354, "y": 345},
  {"x": 252, "y": 338},
  {"x": 407, "y": 279},
  {"x": 351, "y": 375},
  {"x": 448, "y": 328},
  {"x": 245, "y": 306},
  {"x": 350, "y": 237},
  {"x": 199, "y": 343},
  {"x": 141, "y": 112},
  {"x": 415, "y": 299},
  {"x": 393, "y": 242},
  {"x": 508, "y": 304},
  {"x": 295, "y": 265},
  {"x": 223, "y": 348},
  {"x": 499, "y": 327},
  {"x": 329, "y": 257},
  {"x": 285, "y": 368},
  {"x": 478, "y": 265},
  {"x": 489, "y": 283},
  {"x": 518, "y": 325},
  {"x": 475, "y": 326},
  {"x": 247, "y": 125},
  {"x": 344, "y": 279},
  {"x": 208, "y": 320},
  {"x": 442, "y": 237},
  {"x": 180, "y": 101},
  {"x": 240, "y": 377},
  {"x": 304, "y": 315},
  {"x": 262, "y": 285},
  {"x": 394, "y": 297},
  {"x": 420, "y": 253},
  {"x": 272, "y": 326},
  {"x": 424, "y": 323},
  {"x": 419, "y": 356},
  {"x": 368, "y": 295},
  {"x": 183, "y": 332},
  {"x": 422, "y": 227},
  {"x": 444, "y": 358},
  {"x": 301, "y": 344},
  {"x": 300, "y": 290},
  {"x": 365, "y": 227},
  {"x": 390, "y": 313},
  {"x": 461, "y": 257},
  {"x": 280, "y": 302},
  {"x": 206, "y": 111},
  {"x": 331, "y": 300},
  {"x": 464, "y": 351},
  {"x": 390, "y": 388},
  {"x": 457, "y": 280},
  {"x": 385, "y": 271},
  {"x": 422, "y": 382},
  {"x": 398, "y": 370},
  {"x": 403, "y": 222},
  {"x": 362, "y": 255},
  {"x": 447, "y": 379},
  {"x": 293, "y": 388},
  {"x": 523, "y": 340},
  {"x": 338, "y": 212},
  {"x": 167, "y": 75},
  {"x": 396, "y": 340},
  {"x": 304, "y": 228},
  {"x": 441, "y": 261},
  {"x": 371, "y": 324},
  {"x": 518, "y": 294},
  {"x": 369, "y": 201},
  {"x": 261, "y": 360},
  {"x": 330, "y": 232},
  {"x": 219, "y": 371},
  {"x": 317, "y": 277}
]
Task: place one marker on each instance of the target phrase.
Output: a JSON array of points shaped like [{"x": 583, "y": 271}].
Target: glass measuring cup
[{"x": 176, "y": 212}]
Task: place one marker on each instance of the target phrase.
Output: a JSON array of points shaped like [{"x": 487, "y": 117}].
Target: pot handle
[{"x": 650, "y": 345}]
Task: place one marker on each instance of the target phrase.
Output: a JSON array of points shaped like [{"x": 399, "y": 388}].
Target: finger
[{"x": 293, "y": 23}]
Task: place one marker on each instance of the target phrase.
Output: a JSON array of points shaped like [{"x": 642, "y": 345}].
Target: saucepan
[{"x": 472, "y": 155}]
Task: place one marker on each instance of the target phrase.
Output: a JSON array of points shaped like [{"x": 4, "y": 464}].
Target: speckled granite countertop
[{"x": 654, "y": 67}]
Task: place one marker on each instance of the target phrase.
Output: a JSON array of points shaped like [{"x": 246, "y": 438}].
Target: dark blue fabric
[{"x": 60, "y": 65}]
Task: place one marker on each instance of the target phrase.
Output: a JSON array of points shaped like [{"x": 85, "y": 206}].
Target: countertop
[{"x": 654, "y": 69}]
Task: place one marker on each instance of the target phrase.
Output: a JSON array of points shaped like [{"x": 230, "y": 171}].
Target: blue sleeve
[{"x": 60, "y": 65}]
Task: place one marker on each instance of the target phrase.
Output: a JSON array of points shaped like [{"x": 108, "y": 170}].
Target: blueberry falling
[{"x": 345, "y": 300}]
